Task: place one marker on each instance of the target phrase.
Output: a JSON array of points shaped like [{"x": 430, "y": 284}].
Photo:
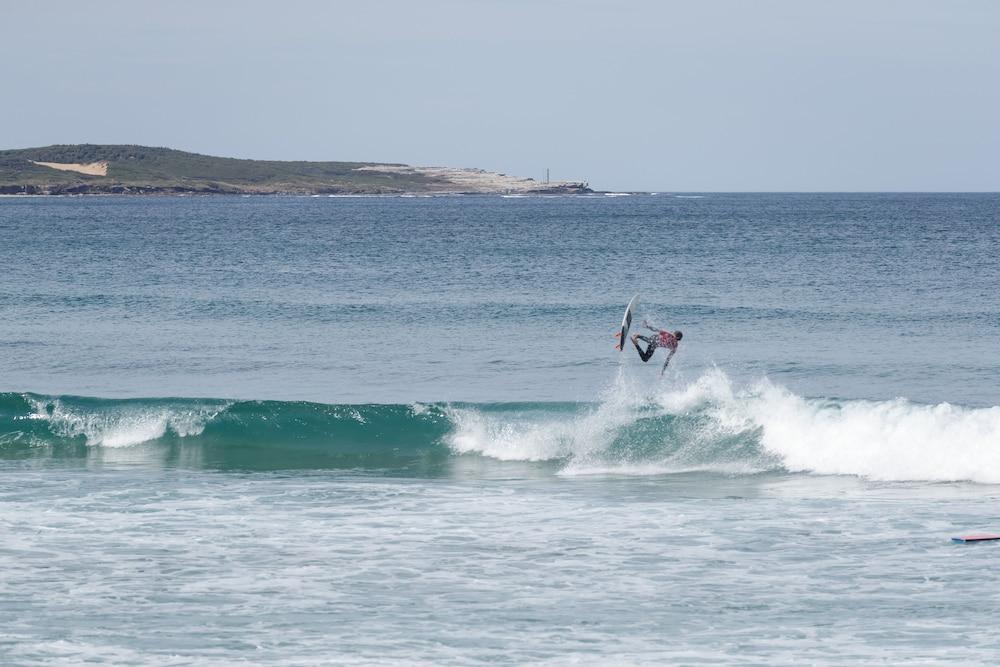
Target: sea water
[{"x": 364, "y": 430}]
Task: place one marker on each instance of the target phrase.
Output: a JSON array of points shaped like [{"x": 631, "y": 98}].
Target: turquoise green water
[{"x": 358, "y": 431}]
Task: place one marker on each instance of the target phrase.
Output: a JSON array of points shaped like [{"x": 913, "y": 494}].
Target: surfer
[{"x": 666, "y": 339}]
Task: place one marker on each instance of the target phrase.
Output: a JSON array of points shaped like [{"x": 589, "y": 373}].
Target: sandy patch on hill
[
  {"x": 471, "y": 180},
  {"x": 91, "y": 168}
]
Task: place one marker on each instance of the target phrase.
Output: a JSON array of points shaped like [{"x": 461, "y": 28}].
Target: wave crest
[{"x": 709, "y": 424}]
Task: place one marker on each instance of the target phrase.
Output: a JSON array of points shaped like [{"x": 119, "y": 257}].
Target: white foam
[
  {"x": 506, "y": 439},
  {"x": 713, "y": 387},
  {"x": 884, "y": 440},
  {"x": 719, "y": 427},
  {"x": 124, "y": 425},
  {"x": 895, "y": 440},
  {"x": 523, "y": 438},
  {"x": 653, "y": 469}
]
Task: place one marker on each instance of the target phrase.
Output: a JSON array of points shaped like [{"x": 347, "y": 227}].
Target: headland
[{"x": 139, "y": 170}]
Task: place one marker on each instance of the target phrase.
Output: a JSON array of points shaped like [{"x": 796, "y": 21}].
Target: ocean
[{"x": 369, "y": 430}]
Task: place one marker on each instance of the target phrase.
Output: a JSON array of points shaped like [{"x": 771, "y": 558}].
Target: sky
[{"x": 701, "y": 95}]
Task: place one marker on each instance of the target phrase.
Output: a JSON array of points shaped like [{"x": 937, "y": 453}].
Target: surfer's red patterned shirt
[{"x": 668, "y": 340}]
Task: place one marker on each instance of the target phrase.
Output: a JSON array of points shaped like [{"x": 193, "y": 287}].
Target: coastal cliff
[{"x": 128, "y": 169}]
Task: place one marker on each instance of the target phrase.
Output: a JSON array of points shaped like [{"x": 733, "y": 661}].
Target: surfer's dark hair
[{"x": 678, "y": 335}]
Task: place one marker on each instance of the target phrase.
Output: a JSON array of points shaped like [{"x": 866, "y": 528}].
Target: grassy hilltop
[{"x": 126, "y": 169}]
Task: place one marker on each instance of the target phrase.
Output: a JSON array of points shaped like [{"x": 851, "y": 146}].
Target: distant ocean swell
[{"x": 707, "y": 425}]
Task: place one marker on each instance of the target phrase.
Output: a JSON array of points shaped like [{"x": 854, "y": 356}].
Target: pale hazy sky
[{"x": 641, "y": 94}]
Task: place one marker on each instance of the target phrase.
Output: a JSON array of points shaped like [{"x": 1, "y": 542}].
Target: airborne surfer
[{"x": 662, "y": 338}]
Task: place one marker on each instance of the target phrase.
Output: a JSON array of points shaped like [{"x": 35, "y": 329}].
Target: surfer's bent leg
[{"x": 649, "y": 350}]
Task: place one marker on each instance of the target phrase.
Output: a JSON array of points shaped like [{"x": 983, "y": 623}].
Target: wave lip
[
  {"x": 223, "y": 434},
  {"x": 124, "y": 423},
  {"x": 708, "y": 425}
]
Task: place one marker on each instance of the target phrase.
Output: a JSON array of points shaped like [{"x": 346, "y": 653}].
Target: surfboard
[
  {"x": 626, "y": 323},
  {"x": 965, "y": 539}
]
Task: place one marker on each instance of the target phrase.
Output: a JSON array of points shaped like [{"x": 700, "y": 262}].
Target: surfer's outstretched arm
[{"x": 667, "y": 362}]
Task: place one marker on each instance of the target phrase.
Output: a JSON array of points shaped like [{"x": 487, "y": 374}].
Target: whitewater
[
  {"x": 358, "y": 431},
  {"x": 709, "y": 425}
]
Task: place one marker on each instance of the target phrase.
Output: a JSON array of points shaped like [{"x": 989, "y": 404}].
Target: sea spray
[{"x": 543, "y": 431}]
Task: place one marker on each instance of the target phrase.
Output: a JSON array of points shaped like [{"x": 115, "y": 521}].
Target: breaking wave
[{"x": 707, "y": 425}]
